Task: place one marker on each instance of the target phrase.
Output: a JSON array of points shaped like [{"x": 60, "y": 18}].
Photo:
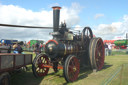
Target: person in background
[
  {"x": 106, "y": 49},
  {"x": 37, "y": 49},
  {"x": 110, "y": 48},
  {"x": 41, "y": 46},
  {"x": 9, "y": 48},
  {"x": 17, "y": 49},
  {"x": 20, "y": 50}
]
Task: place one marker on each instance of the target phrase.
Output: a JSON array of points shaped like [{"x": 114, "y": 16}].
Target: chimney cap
[{"x": 56, "y": 7}]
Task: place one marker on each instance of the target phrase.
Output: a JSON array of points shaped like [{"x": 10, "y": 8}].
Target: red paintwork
[
  {"x": 52, "y": 41},
  {"x": 50, "y": 66},
  {"x": 99, "y": 50},
  {"x": 73, "y": 73},
  {"x": 42, "y": 61},
  {"x": 55, "y": 8},
  {"x": 120, "y": 47},
  {"x": 109, "y": 41}
]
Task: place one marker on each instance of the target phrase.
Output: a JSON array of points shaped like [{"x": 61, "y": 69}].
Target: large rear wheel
[
  {"x": 71, "y": 68},
  {"x": 96, "y": 53}
]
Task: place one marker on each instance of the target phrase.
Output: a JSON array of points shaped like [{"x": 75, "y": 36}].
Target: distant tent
[{"x": 109, "y": 41}]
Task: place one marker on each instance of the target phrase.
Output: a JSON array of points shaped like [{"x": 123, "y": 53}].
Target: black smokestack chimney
[{"x": 56, "y": 16}]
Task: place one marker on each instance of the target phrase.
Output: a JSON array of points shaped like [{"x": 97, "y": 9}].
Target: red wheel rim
[
  {"x": 99, "y": 54},
  {"x": 73, "y": 69},
  {"x": 40, "y": 69}
]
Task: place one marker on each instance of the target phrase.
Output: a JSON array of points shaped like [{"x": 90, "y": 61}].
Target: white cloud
[
  {"x": 11, "y": 14},
  {"x": 113, "y": 30},
  {"x": 98, "y": 16},
  {"x": 70, "y": 15},
  {"x": 78, "y": 27}
]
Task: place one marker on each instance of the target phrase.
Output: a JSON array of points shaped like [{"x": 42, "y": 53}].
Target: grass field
[{"x": 114, "y": 72}]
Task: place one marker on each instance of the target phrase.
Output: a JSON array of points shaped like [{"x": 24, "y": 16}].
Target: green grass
[
  {"x": 122, "y": 77},
  {"x": 120, "y": 52},
  {"x": 86, "y": 77}
]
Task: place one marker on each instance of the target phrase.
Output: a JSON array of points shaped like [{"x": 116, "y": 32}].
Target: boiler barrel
[{"x": 54, "y": 50}]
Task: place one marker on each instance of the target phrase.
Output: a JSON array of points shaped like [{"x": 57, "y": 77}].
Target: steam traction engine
[{"x": 69, "y": 51}]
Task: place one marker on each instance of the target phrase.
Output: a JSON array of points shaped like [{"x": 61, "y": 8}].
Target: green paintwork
[
  {"x": 33, "y": 42},
  {"x": 121, "y": 42}
]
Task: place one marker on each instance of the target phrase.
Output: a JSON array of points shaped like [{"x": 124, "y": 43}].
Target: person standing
[
  {"x": 110, "y": 48},
  {"x": 17, "y": 49},
  {"x": 106, "y": 49},
  {"x": 37, "y": 49},
  {"x": 9, "y": 48},
  {"x": 20, "y": 50}
]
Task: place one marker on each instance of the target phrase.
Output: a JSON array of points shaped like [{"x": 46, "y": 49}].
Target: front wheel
[
  {"x": 71, "y": 68},
  {"x": 38, "y": 65}
]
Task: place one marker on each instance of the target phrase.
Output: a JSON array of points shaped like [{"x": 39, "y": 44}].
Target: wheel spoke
[{"x": 38, "y": 70}]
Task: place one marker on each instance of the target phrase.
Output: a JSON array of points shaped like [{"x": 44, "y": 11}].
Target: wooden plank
[{"x": 9, "y": 62}]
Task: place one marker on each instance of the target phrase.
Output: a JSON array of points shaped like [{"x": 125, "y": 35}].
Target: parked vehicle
[
  {"x": 121, "y": 44},
  {"x": 7, "y": 42}
]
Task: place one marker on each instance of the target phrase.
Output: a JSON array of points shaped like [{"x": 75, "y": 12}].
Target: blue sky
[
  {"x": 98, "y": 14},
  {"x": 113, "y": 10}
]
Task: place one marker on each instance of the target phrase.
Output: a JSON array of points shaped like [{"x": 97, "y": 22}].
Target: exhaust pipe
[{"x": 56, "y": 16}]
